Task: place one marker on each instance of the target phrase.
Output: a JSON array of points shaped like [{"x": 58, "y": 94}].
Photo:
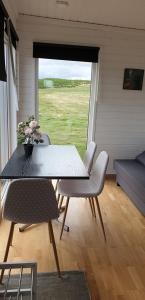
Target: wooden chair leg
[
  {"x": 10, "y": 238},
  {"x": 58, "y": 198},
  {"x": 64, "y": 217},
  {"x": 11, "y": 241},
  {"x": 54, "y": 248},
  {"x": 61, "y": 201},
  {"x": 90, "y": 202},
  {"x": 50, "y": 237},
  {"x": 93, "y": 207},
  {"x": 100, "y": 216},
  {"x": 56, "y": 185}
]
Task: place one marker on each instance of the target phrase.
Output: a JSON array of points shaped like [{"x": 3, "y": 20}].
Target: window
[
  {"x": 4, "y": 140},
  {"x": 66, "y": 54},
  {"x": 8, "y": 110},
  {"x": 64, "y": 96},
  {"x": 4, "y": 116}
]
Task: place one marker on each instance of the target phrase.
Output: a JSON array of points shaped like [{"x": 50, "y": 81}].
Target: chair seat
[{"x": 77, "y": 188}]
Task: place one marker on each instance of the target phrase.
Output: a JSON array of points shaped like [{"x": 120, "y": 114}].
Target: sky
[{"x": 51, "y": 68}]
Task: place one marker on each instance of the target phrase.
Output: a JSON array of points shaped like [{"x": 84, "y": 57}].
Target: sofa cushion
[
  {"x": 141, "y": 158},
  {"x": 133, "y": 172}
]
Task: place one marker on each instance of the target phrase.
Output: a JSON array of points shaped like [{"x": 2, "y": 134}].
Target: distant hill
[{"x": 59, "y": 82}]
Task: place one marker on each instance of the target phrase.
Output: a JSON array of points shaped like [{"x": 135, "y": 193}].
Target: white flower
[
  {"x": 33, "y": 124},
  {"x": 21, "y": 123}
]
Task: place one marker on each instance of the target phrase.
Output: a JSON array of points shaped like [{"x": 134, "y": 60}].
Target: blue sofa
[{"x": 130, "y": 175}]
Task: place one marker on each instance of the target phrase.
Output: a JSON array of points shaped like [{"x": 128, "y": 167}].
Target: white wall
[{"x": 120, "y": 120}]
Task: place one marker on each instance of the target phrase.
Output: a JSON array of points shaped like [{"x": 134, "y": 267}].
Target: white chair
[
  {"x": 46, "y": 139},
  {"x": 88, "y": 162},
  {"x": 30, "y": 201},
  {"x": 89, "y": 156},
  {"x": 91, "y": 188}
]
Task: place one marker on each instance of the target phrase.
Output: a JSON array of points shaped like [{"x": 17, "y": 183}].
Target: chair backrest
[
  {"x": 99, "y": 171},
  {"x": 30, "y": 201},
  {"x": 46, "y": 139},
  {"x": 89, "y": 156}
]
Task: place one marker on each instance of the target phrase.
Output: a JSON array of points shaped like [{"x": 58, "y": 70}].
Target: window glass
[{"x": 8, "y": 108}]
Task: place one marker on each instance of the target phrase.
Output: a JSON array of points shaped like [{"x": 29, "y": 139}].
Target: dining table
[{"x": 46, "y": 161}]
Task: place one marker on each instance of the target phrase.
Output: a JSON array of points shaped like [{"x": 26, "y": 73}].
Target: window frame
[
  {"x": 94, "y": 91},
  {"x": 93, "y": 102},
  {"x": 6, "y": 117}
]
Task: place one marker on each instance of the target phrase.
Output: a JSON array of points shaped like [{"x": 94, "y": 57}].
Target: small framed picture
[{"x": 133, "y": 79}]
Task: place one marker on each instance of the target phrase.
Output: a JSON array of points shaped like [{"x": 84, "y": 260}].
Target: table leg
[
  {"x": 66, "y": 228},
  {"x": 22, "y": 229}
]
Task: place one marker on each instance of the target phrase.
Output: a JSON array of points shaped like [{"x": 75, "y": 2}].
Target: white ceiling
[{"x": 125, "y": 13}]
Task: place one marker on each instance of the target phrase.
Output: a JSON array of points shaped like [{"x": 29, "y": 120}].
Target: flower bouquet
[{"x": 28, "y": 134}]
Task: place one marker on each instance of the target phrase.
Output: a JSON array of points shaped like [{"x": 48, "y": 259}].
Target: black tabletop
[{"x": 50, "y": 161}]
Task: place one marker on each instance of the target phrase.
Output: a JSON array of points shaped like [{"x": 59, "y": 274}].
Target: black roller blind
[
  {"x": 65, "y": 52},
  {"x": 14, "y": 36},
  {"x": 3, "y": 76}
]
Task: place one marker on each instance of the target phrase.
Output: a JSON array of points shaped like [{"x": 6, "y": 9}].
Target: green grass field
[{"x": 63, "y": 114}]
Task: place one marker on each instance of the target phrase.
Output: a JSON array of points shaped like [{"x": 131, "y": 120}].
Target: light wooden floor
[{"x": 116, "y": 270}]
